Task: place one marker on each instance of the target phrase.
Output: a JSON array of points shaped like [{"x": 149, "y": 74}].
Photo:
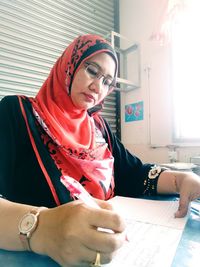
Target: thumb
[{"x": 183, "y": 207}]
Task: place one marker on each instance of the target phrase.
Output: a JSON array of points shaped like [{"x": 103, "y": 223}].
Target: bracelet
[{"x": 151, "y": 181}]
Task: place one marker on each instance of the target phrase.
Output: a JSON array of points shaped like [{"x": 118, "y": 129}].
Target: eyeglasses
[{"x": 94, "y": 72}]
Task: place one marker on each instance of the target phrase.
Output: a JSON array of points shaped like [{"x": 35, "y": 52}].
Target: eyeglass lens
[{"x": 96, "y": 73}]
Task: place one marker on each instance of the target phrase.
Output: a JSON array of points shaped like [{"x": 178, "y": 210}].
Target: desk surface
[
  {"x": 24, "y": 259},
  {"x": 187, "y": 253}
]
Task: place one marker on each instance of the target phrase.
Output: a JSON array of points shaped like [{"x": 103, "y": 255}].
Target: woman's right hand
[{"x": 69, "y": 235}]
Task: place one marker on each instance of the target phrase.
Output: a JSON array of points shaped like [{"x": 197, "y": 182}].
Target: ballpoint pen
[{"x": 78, "y": 191}]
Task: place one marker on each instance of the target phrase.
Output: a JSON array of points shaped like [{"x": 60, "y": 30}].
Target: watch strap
[{"x": 25, "y": 241}]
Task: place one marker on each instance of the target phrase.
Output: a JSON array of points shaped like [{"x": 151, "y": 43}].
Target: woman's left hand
[{"x": 188, "y": 186}]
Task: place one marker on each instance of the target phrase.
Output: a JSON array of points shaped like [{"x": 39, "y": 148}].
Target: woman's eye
[
  {"x": 92, "y": 70},
  {"x": 108, "y": 82}
]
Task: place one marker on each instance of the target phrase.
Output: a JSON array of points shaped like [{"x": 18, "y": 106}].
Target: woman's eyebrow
[{"x": 100, "y": 68}]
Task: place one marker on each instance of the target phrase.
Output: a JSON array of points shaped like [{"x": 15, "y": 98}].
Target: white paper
[{"x": 152, "y": 230}]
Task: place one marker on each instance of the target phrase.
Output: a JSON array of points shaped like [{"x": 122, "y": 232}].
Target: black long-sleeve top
[{"x": 21, "y": 178}]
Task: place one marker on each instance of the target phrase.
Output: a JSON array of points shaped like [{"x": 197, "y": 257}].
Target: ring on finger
[{"x": 97, "y": 262}]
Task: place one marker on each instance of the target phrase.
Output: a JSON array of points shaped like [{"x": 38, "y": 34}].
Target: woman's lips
[{"x": 89, "y": 98}]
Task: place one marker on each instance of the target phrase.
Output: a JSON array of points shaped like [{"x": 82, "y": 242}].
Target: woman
[{"x": 60, "y": 133}]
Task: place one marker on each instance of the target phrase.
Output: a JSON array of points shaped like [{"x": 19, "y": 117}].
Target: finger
[
  {"x": 107, "y": 219},
  {"x": 183, "y": 207},
  {"x": 104, "y": 204},
  {"x": 79, "y": 254},
  {"x": 89, "y": 256},
  {"x": 103, "y": 241},
  {"x": 104, "y": 258}
]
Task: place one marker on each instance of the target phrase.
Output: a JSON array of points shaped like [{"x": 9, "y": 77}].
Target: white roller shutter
[{"x": 33, "y": 33}]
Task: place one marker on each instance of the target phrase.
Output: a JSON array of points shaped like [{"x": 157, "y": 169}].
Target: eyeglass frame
[{"x": 99, "y": 74}]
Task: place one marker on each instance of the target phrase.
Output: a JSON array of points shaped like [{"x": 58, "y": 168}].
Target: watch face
[{"x": 27, "y": 223}]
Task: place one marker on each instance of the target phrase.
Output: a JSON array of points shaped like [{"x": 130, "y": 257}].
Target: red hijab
[{"x": 70, "y": 132}]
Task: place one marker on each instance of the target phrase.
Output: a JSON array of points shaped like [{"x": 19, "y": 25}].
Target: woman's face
[{"x": 92, "y": 80}]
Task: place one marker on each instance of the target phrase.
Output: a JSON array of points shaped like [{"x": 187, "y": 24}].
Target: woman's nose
[{"x": 97, "y": 85}]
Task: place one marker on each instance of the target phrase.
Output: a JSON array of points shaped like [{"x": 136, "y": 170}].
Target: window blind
[{"x": 34, "y": 33}]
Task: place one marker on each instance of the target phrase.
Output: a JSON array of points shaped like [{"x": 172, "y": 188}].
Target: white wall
[{"x": 138, "y": 19}]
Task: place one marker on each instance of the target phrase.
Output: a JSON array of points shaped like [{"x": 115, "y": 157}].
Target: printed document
[{"x": 152, "y": 230}]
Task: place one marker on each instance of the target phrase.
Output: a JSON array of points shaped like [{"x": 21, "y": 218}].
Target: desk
[
  {"x": 187, "y": 254},
  {"x": 188, "y": 251},
  {"x": 24, "y": 259}
]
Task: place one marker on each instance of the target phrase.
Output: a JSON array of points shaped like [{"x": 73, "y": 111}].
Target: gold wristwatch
[{"x": 28, "y": 225}]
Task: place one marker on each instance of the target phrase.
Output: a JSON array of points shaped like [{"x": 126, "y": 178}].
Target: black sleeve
[
  {"x": 8, "y": 141},
  {"x": 129, "y": 171},
  {"x": 21, "y": 178}
]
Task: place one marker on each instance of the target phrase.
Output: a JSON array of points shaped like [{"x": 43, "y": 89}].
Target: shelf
[{"x": 125, "y": 84}]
